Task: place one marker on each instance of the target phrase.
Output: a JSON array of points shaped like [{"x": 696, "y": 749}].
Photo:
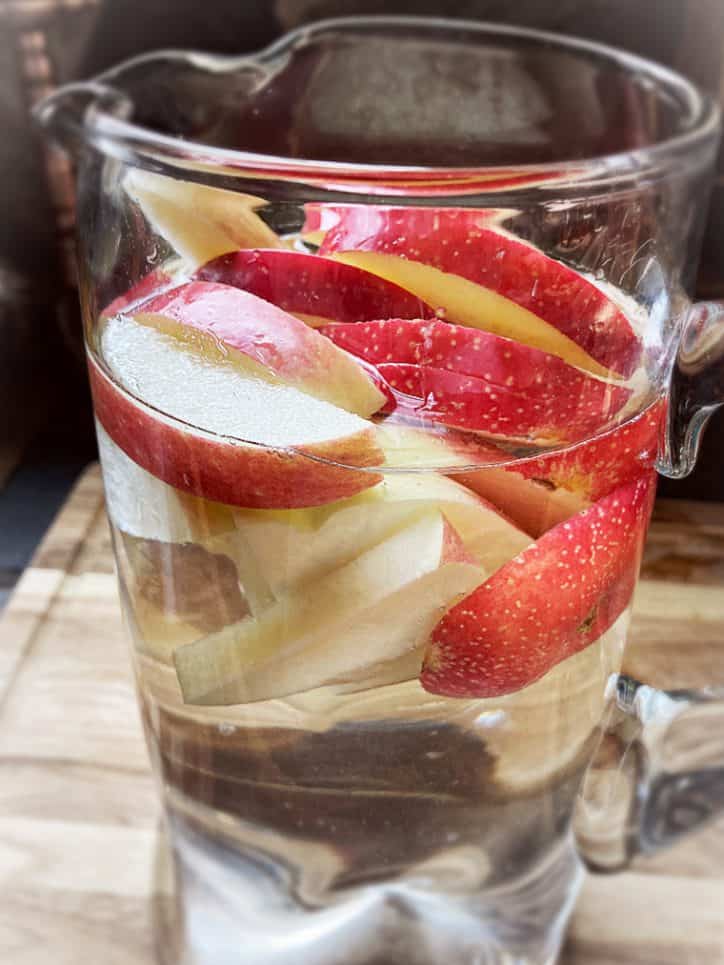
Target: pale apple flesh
[
  {"x": 299, "y": 547},
  {"x": 225, "y": 325},
  {"x": 199, "y": 222},
  {"x": 380, "y": 606}
]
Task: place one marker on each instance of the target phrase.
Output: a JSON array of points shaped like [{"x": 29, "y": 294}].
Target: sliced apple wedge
[
  {"x": 462, "y": 301},
  {"x": 558, "y": 400},
  {"x": 143, "y": 506},
  {"x": 188, "y": 430},
  {"x": 379, "y": 607},
  {"x": 223, "y": 324},
  {"x": 540, "y": 492},
  {"x": 199, "y": 222},
  {"x": 157, "y": 521},
  {"x": 484, "y": 277},
  {"x": 535, "y": 505},
  {"x": 537, "y": 492},
  {"x": 560, "y": 595},
  {"x": 312, "y": 287},
  {"x": 297, "y": 547},
  {"x": 152, "y": 283},
  {"x": 383, "y": 674},
  {"x": 543, "y": 413}
]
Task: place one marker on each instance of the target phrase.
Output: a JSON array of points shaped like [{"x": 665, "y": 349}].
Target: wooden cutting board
[{"x": 78, "y": 810}]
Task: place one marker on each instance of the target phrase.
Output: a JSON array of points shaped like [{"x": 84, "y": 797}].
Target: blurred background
[{"x": 46, "y": 435}]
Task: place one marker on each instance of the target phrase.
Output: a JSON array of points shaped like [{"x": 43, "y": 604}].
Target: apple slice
[
  {"x": 463, "y": 302},
  {"x": 318, "y": 219},
  {"x": 222, "y": 323},
  {"x": 537, "y": 492},
  {"x": 188, "y": 430},
  {"x": 473, "y": 380},
  {"x": 535, "y": 505},
  {"x": 540, "y": 492},
  {"x": 301, "y": 546},
  {"x": 554, "y": 599},
  {"x": 543, "y": 414},
  {"x": 313, "y": 287},
  {"x": 483, "y": 277},
  {"x": 152, "y": 283},
  {"x": 498, "y": 360},
  {"x": 379, "y": 607},
  {"x": 199, "y": 222},
  {"x": 143, "y": 508}
]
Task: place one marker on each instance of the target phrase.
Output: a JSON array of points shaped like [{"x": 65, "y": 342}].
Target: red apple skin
[
  {"x": 249, "y": 476},
  {"x": 385, "y": 340},
  {"x": 514, "y": 390},
  {"x": 153, "y": 282},
  {"x": 304, "y": 283},
  {"x": 541, "y": 492},
  {"x": 320, "y": 217},
  {"x": 460, "y": 242},
  {"x": 541, "y": 412},
  {"x": 553, "y": 600},
  {"x": 594, "y": 468}
]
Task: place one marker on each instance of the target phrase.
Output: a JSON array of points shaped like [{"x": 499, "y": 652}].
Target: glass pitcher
[{"x": 388, "y": 330}]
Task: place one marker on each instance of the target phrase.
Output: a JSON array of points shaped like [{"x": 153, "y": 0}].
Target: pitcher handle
[
  {"x": 696, "y": 390},
  {"x": 658, "y": 774},
  {"x": 659, "y": 769}
]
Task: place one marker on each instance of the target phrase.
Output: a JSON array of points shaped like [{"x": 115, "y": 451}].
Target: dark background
[{"x": 45, "y": 428}]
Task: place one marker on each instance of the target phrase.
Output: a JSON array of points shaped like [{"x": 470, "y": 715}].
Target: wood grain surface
[{"x": 77, "y": 805}]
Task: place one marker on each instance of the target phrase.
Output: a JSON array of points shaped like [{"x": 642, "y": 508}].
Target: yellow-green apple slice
[
  {"x": 553, "y": 600},
  {"x": 145, "y": 509},
  {"x": 379, "y": 607},
  {"x": 208, "y": 430},
  {"x": 301, "y": 546},
  {"x": 313, "y": 287},
  {"x": 199, "y": 222},
  {"x": 223, "y": 323},
  {"x": 480, "y": 276}
]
